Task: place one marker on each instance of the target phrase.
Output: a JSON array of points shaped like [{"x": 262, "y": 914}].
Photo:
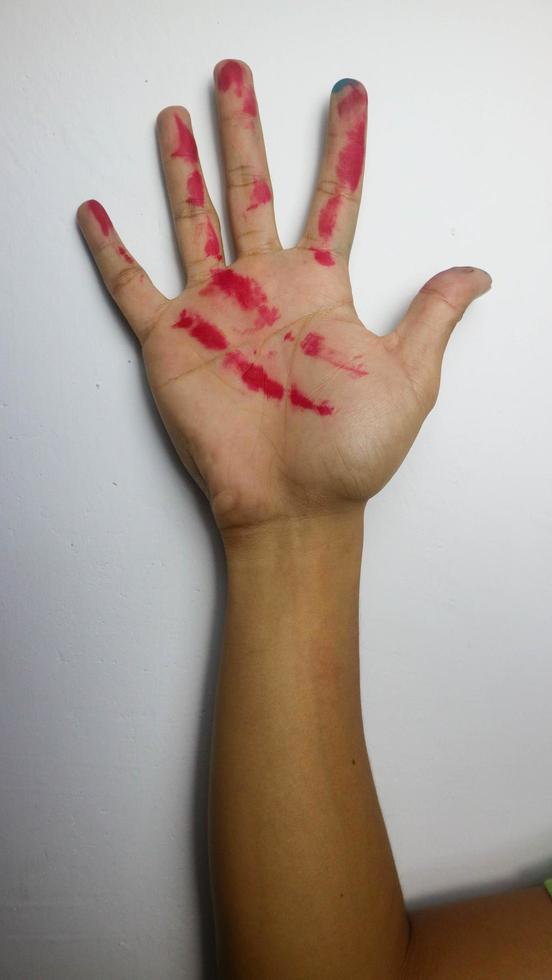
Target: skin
[{"x": 304, "y": 882}]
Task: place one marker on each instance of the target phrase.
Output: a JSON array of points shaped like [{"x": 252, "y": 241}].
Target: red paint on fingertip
[
  {"x": 314, "y": 345},
  {"x": 328, "y": 217},
  {"x": 249, "y": 104},
  {"x": 101, "y": 216},
  {"x": 187, "y": 147},
  {"x": 204, "y": 332},
  {"x": 355, "y": 99},
  {"x": 260, "y": 194},
  {"x": 351, "y": 158},
  {"x": 230, "y": 73},
  {"x": 322, "y": 256},
  {"x": 300, "y": 400},
  {"x": 126, "y": 256},
  {"x": 254, "y": 376},
  {"x": 212, "y": 245},
  {"x": 196, "y": 192}
]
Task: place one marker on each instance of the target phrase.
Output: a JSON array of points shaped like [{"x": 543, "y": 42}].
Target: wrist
[{"x": 289, "y": 543}]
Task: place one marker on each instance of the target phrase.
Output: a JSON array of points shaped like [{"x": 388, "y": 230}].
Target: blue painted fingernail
[{"x": 342, "y": 83}]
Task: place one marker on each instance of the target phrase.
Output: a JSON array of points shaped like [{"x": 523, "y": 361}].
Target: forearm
[{"x": 304, "y": 879}]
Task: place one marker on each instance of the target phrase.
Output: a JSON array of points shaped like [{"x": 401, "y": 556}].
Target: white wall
[{"x": 114, "y": 585}]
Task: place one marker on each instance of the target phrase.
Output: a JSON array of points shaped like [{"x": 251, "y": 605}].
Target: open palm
[{"x": 277, "y": 398}]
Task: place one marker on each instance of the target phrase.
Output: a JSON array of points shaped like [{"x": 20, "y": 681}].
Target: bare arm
[{"x": 304, "y": 877}]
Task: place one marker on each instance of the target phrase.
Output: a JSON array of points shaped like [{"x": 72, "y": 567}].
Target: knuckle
[
  {"x": 123, "y": 279},
  {"x": 439, "y": 297},
  {"x": 330, "y": 187},
  {"x": 184, "y": 212},
  {"x": 242, "y": 175}
]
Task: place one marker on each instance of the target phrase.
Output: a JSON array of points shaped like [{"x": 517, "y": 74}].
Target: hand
[{"x": 278, "y": 400}]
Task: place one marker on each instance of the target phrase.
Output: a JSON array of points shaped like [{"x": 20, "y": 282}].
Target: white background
[{"x": 114, "y": 583}]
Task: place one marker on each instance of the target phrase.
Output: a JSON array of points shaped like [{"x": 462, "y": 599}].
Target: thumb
[{"x": 425, "y": 330}]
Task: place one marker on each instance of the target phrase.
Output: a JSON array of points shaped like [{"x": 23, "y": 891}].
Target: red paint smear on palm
[
  {"x": 246, "y": 292},
  {"x": 212, "y": 244},
  {"x": 354, "y": 100},
  {"x": 259, "y": 195},
  {"x": 254, "y": 376},
  {"x": 351, "y": 158},
  {"x": 289, "y": 336},
  {"x": 122, "y": 251},
  {"x": 101, "y": 216},
  {"x": 300, "y": 400},
  {"x": 328, "y": 217},
  {"x": 204, "y": 332},
  {"x": 187, "y": 148},
  {"x": 322, "y": 256},
  {"x": 314, "y": 345},
  {"x": 196, "y": 191}
]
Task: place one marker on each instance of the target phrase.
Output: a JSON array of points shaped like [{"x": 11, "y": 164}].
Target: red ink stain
[
  {"x": 322, "y": 256},
  {"x": 254, "y": 376},
  {"x": 212, "y": 244},
  {"x": 101, "y": 216},
  {"x": 259, "y": 195},
  {"x": 351, "y": 158},
  {"x": 206, "y": 333},
  {"x": 313, "y": 345},
  {"x": 328, "y": 216},
  {"x": 300, "y": 400},
  {"x": 230, "y": 73},
  {"x": 289, "y": 336},
  {"x": 122, "y": 251},
  {"x": 250, "y": 103},
  {"x": 187, "y": 147},
  {"x": 355, "y": 99},
  {"x": 195, "y": 189},
  {"x": 246, "y": 292}
]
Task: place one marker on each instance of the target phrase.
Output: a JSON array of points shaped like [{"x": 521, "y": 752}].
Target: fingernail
[
  {"x": 472, "y": 268},
  {"x": 342, "y": 83}
]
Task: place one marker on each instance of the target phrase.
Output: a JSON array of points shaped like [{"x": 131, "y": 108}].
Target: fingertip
[
  {"x": 230, "y": 72},
  {"x": 346, "y": 83},
  {"x": 488, "y": 275},
  {"x": 80, "y": 212},
  {"x": 167, "y": 115},
  {"x": 92, "y": 218},
  {"x": 349, "y": 99},
  {"x": 469, "y": 269}
]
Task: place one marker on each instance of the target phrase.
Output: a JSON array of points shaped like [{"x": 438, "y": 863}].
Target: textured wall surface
[{"x": 113, "y": 580}]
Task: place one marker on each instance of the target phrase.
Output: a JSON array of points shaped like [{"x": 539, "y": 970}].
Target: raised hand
[{"x": 278, "y": 400}]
